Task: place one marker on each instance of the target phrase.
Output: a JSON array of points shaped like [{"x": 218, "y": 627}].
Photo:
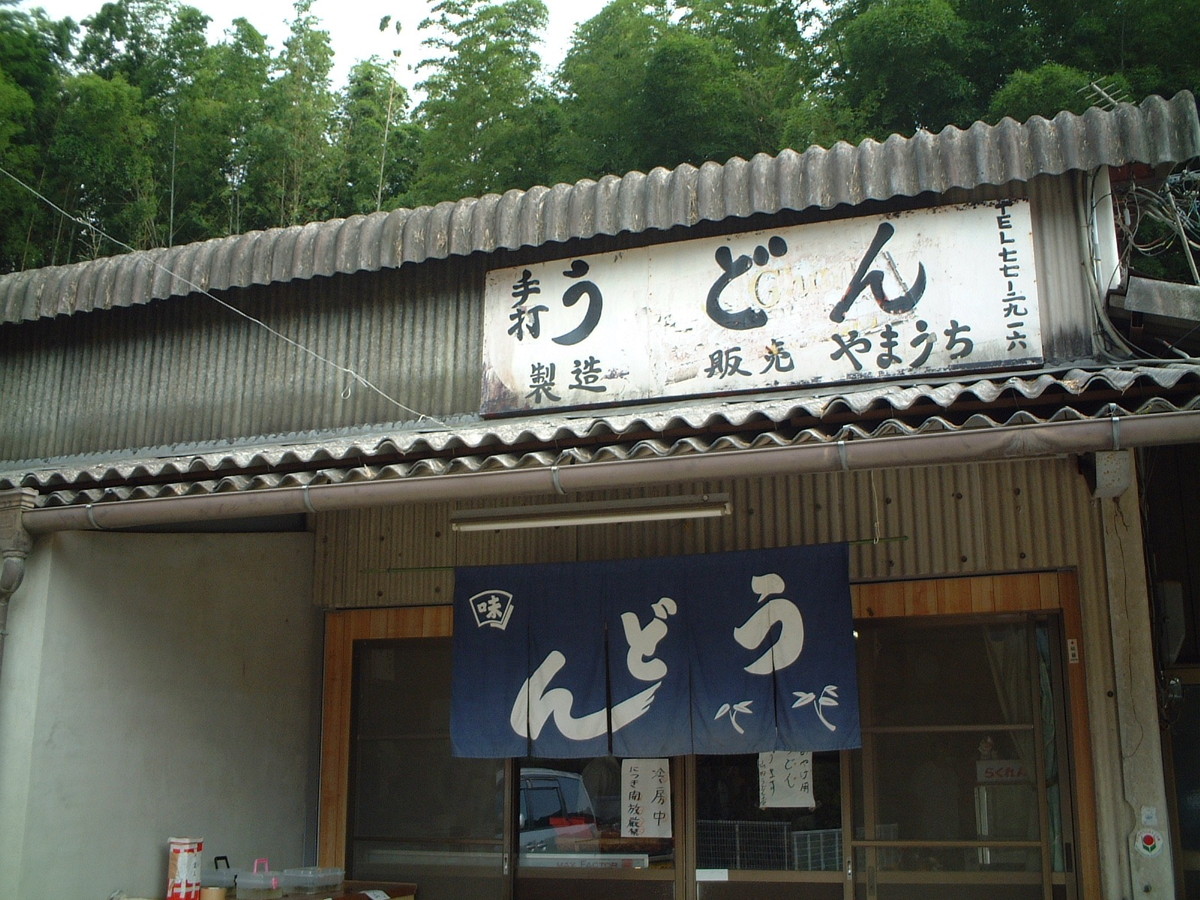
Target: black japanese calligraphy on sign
[
  {"x": 731, "y": 269},
  {"x": 925, "y": 341},
  {"x": 777, "y": 358},
  {"x": 785, "y": 780},
  {"x": 587, "y": 375},
  {"x": 725, "y": 363},
  {"x": 965, "y": 346},
  {"x": 873, "y": 279},
  {"x": 888, "y": 343},
  {"x": 926, "y": 290},
  {"x": 849, "y": 346},
  {"x": 854, "y": 344},
  {"x": 571, "y": 296},
  {"x": 646, "y": 791},
  {"x": 526, "y": 318},
  {"x": 541, "y": 383},
  {"x": 1010, "y": 271}
]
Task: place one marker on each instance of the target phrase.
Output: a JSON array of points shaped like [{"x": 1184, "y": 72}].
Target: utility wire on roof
[{"x": 345, "y": 370}]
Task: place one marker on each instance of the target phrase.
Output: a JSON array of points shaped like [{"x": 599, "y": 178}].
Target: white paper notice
[
  {"x": 785, "y": 780},
  {"x": 646, "y": 798}
]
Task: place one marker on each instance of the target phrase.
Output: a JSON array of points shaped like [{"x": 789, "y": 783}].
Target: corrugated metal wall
[
  {"x": 930, "y": 522},
  {"x": 189, "y": 371},
  {"x": 1062, "y": 251}
]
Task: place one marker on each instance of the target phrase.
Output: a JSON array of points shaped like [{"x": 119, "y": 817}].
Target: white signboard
[
  {"x": 645, "y": 798},
  {"x": 1001, "y": 771},
  {"x": 785, "y": 780},
  {"x": 927, "y": 291},
  {"x": 585, "y": 860}
]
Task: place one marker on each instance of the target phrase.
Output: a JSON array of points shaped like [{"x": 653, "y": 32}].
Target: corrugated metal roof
[
  {"x": 702, "y": 426},
  {"x": 1156, "y": 132}
]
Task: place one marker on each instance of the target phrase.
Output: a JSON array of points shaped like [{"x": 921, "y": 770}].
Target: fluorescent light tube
[{"x": 605, "y": 512}]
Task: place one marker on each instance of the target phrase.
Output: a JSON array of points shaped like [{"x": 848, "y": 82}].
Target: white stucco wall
[{"x": 157, "y": 686}]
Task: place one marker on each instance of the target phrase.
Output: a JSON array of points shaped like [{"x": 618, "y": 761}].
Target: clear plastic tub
[
  {"x": 311, "y": 879},
  {"x": 260, "y": 884},
  {"x": 225, "y": 878}
]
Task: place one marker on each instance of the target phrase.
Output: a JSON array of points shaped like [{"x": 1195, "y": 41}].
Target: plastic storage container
[
  {"x": 311, "y": 879},
  {"x": 220, "y": 876},
  {"x": 260, "y": 884}
]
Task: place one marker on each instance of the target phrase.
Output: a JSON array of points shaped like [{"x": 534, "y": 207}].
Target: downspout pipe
[
  {"x": 15, "y": 544},
  {"x": 1041, "y": 439}
]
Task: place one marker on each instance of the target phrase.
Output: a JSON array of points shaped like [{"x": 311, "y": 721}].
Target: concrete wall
[{"x": 157, "y": 686}]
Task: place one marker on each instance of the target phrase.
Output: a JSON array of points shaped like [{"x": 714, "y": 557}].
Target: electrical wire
[
  {"x": 1176, "y": 209},
  {"x": 1098, "y": 292},
  {"x": 345, "y": 370}
]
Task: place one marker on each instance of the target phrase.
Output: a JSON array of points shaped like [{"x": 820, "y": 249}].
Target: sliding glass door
[
  {"x": 417, "y": 813},
  {"x": 749, "y": 850},
  {"x": 584, "y": 832},
  {"x": 960, "y": 790}
]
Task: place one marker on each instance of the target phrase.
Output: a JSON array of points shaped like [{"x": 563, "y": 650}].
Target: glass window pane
[
  {"x": 417, "y": 813},
  {"x": 947, "y": 675},
  {"x": 412, "y": 790},
  {"x": 954, "y": 724},
  {"x": 1185, "y": 742},
  {"x": 387, "y": 699},
  {"x": 937, "y": 786},
  {"x": 551, "y": 885},
  {"x": 569, "y": 816},
  {"x": 734, "y": 832},
  {"x": 1005, "y": 862},
  {"x": 954, "y": 891},
  {"x": 768, "y": 890}
]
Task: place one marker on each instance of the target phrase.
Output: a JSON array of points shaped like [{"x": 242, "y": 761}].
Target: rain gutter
[{"x": 1021, "y": 441}]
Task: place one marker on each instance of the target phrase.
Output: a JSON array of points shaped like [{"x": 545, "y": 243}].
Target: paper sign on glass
[{"x": 645, "y": 798}]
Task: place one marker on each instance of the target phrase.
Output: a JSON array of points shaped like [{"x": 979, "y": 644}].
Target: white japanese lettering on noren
[
  {"x": 751, "y": 633},
  {"x": 536, "y": 703},
  {"x": 644, "y": 641}
]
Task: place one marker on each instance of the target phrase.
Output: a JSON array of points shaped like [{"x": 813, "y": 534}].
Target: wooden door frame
[
  {"x": 342, "y": 629},
  {"x": 1050, "y": 592}
]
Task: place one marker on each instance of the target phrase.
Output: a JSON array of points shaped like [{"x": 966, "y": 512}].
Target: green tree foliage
[
  {"x": 34, "y": 51},
  {"x": 16, "y": 110},
  {"x": 102, "y": 139},
  {"x": 160, "y": 47},
  {"x": 290, "y": 173},
  {"x": 1150, "y": 43},
  {"x": 766, "y": 44},
  {"x": 375, "y": 142},
  {"x": 1045, "y": 91},
  {"x": 660, "y": 83},
  {"x": 187, "y": 102},
  {"x": 209, "y": 129},
  {"x": 601, "y": 80},
  {"x": 898, "y": 65},
  {"x": 479, "y": 111},
  {"x": 694, "y": 105},
  {"x": 139, "y": 127},
  {"x": 906, "y": 64},
  {"x": 153, "y": 44}
]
